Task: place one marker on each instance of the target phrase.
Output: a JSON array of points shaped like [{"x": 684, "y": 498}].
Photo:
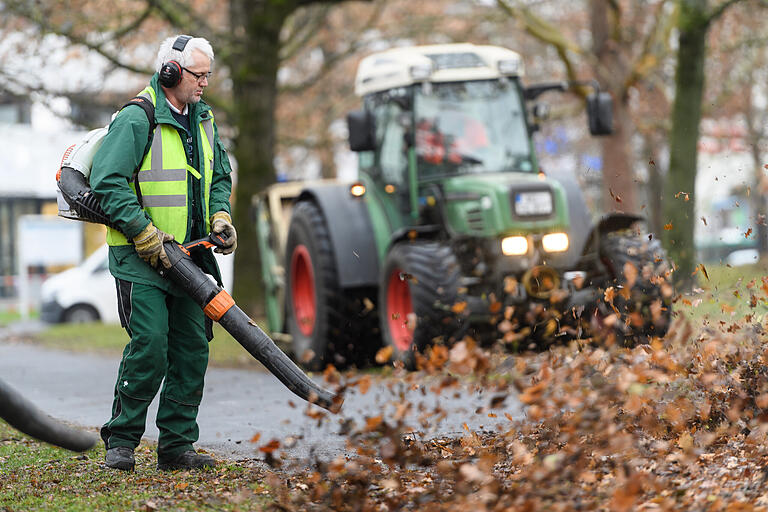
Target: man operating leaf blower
[
  {"x": 161, "y": 176},
  {"x": 178, "y": 189}
]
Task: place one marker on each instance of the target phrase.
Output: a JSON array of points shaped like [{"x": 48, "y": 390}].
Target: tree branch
[
  {"x": 134, "y": 25},
  {"x": 298, "y": 38},
  {"x": 38, "y": 18},
  {"x": 719, "y": 10},
  {"x": 546, "y": 33},
  {"x": 647, "y": 58},
  {"x": 540, "y": 29},
  {"x": 305, "y": 3},
  {"x": 330, "y": 62},
  {"x": 617, "y": 15},
  {"x": 181, "y": 16},
  {"x": 748, "y": 42}
]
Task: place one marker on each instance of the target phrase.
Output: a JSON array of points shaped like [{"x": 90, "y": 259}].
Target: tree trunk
[
  {"x": 758, "y": 205},
  {"x": 253, "y": 63},
  {"x": 755, "y": 134},
  {"x": 618, "y": 176},
  {"x": 611, "y": 70},
  {"x": 325, "y": 152},
  {"x": 653, "y": 209},
  {"x": 686, "y": 114}
]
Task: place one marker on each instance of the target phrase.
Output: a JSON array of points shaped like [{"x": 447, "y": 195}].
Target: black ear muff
[{"x": 170, "y": 72}]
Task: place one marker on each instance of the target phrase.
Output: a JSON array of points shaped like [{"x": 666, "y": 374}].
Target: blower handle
[{"x": 207, "y": 242}]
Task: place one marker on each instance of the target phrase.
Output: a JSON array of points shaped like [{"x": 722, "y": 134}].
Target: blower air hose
[
  {"x": 215, "y": 301},
  {"x": 24, "y": 416}
]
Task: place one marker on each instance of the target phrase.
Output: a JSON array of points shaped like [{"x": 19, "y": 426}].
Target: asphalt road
[{"x": 238, "y": 404}]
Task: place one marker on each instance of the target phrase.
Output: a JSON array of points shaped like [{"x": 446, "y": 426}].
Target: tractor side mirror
[
  {"x": 362, "y": 130},
  {"x": 539, "y": 113},
  {"x": 600, "y": 113}
]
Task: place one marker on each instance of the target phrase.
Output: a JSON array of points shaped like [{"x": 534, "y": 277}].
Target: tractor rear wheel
[
  {"x": 418, "y": 297},
  {"x": 640, "y": 304},
  {"x": 323, "y": 320}
]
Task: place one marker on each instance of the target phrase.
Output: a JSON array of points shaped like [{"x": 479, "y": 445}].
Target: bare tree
[
  {"x": 627, "y": 44},
  {"x": 695, "y": 19}
]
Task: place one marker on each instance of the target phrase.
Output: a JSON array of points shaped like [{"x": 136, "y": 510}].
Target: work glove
[
  {"x": 221, "y": 222},
  {"x": 149, "y": 245}
]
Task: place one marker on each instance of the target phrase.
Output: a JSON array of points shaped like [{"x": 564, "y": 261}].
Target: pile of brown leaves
[{"x": 679, "y": 423}]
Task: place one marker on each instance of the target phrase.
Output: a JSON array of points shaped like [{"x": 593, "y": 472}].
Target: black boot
[
  {"x": 120, "y": 457},
  {"x": 186, "y": 460}
]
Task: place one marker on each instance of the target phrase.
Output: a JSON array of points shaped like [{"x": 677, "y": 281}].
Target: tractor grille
[{"x": 475, "y": 220}]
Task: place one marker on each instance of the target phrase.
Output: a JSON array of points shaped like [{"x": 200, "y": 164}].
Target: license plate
[{"x": 533, "y": 203}]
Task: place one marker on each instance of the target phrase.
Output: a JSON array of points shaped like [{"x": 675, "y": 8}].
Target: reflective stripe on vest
[{"x": 162, "y": 178}]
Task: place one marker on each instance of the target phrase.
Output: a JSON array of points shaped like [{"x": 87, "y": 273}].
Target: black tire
[
  {"x": 424, "y": 275},
  {"x": 636, "y": 262},
  {"x": 326, "y": 323},
  {"x": 81, "y": 314}
]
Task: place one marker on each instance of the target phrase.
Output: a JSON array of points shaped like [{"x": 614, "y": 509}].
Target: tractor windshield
[{"x": 470, "y": 127}]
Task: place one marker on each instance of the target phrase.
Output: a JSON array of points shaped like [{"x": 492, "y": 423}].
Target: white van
[{"x": 86, "y": 293}]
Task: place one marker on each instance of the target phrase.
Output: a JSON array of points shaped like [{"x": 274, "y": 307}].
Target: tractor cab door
[{"x": 387, "y": 166}]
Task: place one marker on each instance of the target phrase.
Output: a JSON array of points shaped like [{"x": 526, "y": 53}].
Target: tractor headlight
[
  {"x": 357, "y": 190},
  {"x": 514, "y": 245},
  {"x": 555, "y": 242}
]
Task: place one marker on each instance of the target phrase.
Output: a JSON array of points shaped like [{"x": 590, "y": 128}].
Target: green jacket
[{"x": 113, "y": 167}]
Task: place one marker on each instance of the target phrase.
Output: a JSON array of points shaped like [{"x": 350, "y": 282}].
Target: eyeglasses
[{"x": 198, "y": 76}]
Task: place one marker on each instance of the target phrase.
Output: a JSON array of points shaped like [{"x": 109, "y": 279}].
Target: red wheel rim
[
  {"x": 303, "y": 290},
  {"x": 399, "y": 307}
]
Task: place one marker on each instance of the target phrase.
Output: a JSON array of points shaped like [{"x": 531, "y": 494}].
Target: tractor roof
[{"x": 399, "y": 67}]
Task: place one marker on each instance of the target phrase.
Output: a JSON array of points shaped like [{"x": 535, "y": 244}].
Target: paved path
[{"x": 237, "y": 404}]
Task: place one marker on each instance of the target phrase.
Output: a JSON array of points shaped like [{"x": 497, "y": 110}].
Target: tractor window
[
  {"x": 390, "y": 141},
  {"x": 477, "y": 126}
]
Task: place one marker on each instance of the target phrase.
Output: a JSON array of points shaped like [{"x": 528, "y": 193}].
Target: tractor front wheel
[
  {"x": 419, "y": 299},
  {"x": 327, "y": 324},
  {"x": 313, "y": 297},
  {"x": 637, "y": 304}
]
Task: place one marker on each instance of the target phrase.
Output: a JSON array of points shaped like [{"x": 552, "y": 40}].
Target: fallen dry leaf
[{"x": 384, "y": 354}]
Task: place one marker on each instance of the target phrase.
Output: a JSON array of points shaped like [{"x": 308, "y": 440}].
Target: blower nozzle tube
[
  {"x": 24, "y": 416},
  {"x": 219, "y": 306}
]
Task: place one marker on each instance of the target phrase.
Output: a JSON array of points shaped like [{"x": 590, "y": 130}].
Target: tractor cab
[{"x": 445, "y": 137}]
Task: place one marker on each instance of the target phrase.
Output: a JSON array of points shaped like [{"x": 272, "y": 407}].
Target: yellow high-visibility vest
[{"x": 162, "y": 178}]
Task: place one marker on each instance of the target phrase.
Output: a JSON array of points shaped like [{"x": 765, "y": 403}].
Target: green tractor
[{"x": 451, "y": 229}]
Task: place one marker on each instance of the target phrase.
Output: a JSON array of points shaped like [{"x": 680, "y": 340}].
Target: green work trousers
[{"x": 168, "y": 340}]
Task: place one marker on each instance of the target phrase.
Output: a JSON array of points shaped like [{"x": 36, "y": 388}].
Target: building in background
[{"x": 33, "y": 144}]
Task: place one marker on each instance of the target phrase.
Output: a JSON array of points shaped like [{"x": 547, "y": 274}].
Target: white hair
[{"x": 184, "y": 58}]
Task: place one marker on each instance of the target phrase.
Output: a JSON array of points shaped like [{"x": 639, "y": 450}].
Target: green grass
[
  {"x": 110, "y": 339},
  {"x": 725, "y": 294},
  {"x": 37, "y": 476},
  {"x": 10, "y": 316}
]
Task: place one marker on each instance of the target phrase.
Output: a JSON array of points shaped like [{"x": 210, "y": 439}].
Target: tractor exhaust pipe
[
  {"x": 215, "y": 301},
  {"x": 21, "y": 414}
]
